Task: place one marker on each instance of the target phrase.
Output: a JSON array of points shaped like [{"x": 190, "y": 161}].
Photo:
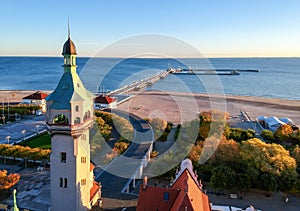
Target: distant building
[
  {"x": 104, "y": 101},
  {"x": 185, "y": 193},
  {"x": 37, "y": 98},
  {"x": 69, "y": 118}
]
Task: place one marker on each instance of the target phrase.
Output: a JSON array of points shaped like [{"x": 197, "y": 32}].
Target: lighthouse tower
[{"x": 69, "y": 117}]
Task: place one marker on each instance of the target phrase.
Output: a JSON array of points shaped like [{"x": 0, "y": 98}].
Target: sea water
[{"x": 278, "y": 77}]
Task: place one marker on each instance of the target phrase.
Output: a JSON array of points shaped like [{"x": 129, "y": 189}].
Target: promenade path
[{"x": 12, "y": 132}]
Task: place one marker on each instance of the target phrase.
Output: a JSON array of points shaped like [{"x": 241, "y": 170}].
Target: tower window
[
  {"x": 77, "y": 120},
  {"x": 77, "y": 108},
  {"x": 63, "y": 157},
  {"x": 61, "y": 182},
  {"x": 66, "y": 183},
  {"x": 83, "y": 182},
  {"x": 83, "y": 159}
]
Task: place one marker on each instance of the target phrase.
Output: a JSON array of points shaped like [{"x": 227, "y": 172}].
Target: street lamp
[
  {"x": 37, "y": 129},
  {"x": 23, "y": 132},
  {"x": 7, "y": 139}
]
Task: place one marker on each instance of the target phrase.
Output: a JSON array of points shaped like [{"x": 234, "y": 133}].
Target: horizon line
[{"x": 120, "y": 57}]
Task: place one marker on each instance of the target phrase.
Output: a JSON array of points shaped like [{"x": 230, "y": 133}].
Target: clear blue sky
[{"x": 217, "y": 28}]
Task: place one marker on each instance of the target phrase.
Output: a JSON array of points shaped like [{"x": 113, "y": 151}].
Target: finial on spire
[{"x": 68, "y": 27}]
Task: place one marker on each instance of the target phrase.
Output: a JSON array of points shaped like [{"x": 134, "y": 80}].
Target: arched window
[
  {"x": 77, "y": 108},
  {"x": 85, "y": 117},
  {"x": 60, "y": 119},
  {"x": 61, "y": 182},
  {"x": 66, "y": 183},
  {"x": 77, "y": 120}
]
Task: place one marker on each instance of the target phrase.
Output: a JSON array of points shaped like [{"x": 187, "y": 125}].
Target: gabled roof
[
  {"x": 185, "y": 193},
  {"x": 36, "y": 96},
  {"x": 152, "y": 198},
  {"x": 104, "y": 99},
  {"x": 190, "y": 195}
]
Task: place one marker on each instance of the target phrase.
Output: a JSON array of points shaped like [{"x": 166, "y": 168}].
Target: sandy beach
[{"x": 179, "y": 107}]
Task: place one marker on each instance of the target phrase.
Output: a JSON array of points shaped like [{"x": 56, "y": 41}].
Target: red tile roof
[
  {"x": 94, "y": 190},
  {"x": 92, "y": 166},
  {"x": 152, "y": 198},
  {"x": 104, "y": 99},
  {"x": 184, "y": 193},
  {"x": 36, "y": 96}
]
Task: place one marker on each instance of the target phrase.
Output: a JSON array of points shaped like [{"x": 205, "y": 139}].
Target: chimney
[{"x": 145, "y": 182}]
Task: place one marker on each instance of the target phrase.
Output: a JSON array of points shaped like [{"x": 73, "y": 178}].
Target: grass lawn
[{"x": 42, "y": 141}]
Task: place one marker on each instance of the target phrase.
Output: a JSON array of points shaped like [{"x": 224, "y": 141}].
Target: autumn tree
[
  {"x": 227, "y": 153},
  {"x": 8, "y": 181},
  {"x": 282, "y": 134},
  {"x": 212, "y": 123},
  {"x": 158, "y": 126},
  {"x": 296, "y": 154},
  {"x": 269, "y": 161}
]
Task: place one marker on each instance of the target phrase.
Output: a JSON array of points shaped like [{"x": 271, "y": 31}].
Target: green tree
[
  {"x": 223, "y": 177},
  {"x": 267, "y": 135}
]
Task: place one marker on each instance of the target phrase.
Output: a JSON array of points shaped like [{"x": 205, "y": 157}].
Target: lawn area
[{"x": 42, "y": 141}]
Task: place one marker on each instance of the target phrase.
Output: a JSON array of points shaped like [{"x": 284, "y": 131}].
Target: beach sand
[{"x": 179, "y": 107}]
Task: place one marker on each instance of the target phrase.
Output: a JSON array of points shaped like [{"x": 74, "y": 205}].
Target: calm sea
[{"x": 278, "y": 77}]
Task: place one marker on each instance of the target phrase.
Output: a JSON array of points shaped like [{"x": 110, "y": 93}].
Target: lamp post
[
  {"x": 37, "y": 129},
  {"x": 23, "y": 132},
  {"x": 3, "y": 115},
  {"x": 7, "y": 139}
]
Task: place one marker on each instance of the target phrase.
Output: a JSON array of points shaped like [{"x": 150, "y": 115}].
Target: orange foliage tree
[{"x": 8, "y": 181}]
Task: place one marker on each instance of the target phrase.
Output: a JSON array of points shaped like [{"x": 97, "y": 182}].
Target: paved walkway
[{"x": 14, "y": 130}]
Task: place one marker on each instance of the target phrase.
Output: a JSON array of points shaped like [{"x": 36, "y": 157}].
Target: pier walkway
[{"x": 137, "y": 85}]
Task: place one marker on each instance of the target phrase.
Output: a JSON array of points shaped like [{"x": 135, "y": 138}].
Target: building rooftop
[
  {"x": 104, "y": 99},
  {"x": 36, "y": 96},
  {"x": 184, "y": 194}
]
